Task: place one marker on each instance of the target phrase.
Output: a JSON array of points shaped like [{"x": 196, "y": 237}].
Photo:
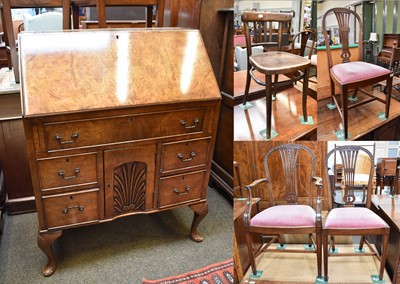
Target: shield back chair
[
  {"x": 268, "y": 32},
  {"x": 356, "y": 74},
  {"x": 297, "y": 164},
  {"x": 6, "y": 17},
  {"x": 101, "y": 11},
  {"x": 350, "y": 220}
]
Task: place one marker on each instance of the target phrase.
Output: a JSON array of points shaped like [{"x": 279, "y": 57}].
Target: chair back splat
[
  {"x": 350, "y": 157},
  {"x": 293, "y": 160}
]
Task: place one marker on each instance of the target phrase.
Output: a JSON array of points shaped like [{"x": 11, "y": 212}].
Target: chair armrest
[
  {"x": 247, "y": 211},
  {"x": 318, "y": 207}
]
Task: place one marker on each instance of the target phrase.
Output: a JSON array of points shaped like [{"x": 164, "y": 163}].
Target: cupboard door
[{"x": 129, "y": 180}]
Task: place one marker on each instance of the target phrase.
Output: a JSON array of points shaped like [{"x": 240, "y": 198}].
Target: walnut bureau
[{"x": 116, "y": 123}]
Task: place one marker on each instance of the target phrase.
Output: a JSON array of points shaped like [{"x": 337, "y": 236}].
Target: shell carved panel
[{"x": 130, "y": 187}]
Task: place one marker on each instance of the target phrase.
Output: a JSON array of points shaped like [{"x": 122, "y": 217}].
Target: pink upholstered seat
[
  {"x": 285, "y": 216},
  {"x": 353, "y": 218},
  {"x": 351, "y": 72}
]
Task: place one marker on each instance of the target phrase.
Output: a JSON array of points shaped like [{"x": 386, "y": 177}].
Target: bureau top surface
[{"x": 68, "y": 72}]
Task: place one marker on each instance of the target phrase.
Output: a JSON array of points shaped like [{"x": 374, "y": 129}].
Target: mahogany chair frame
[
  {"x": 343, "y": 16},
  {"x": 289, "y": 154},
  {"x": 102, "y": 4},
  {"x": 6, "y": 17},
  {"x": 267, "y": 64},
  {"x": 349, "y": 155}
]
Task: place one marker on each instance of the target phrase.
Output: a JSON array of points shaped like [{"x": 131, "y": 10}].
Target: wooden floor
[
  {"x": 302, "y": 268},
  {"x": 362, "y": 119},
  {"x": 286, "y": 112}
]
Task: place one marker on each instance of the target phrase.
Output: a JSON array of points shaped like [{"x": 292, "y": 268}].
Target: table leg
[
  {"x": 200, "y": 211},
  {"x": 45, "y": 242}
]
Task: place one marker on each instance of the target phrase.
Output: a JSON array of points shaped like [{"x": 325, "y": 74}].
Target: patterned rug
[{"x": 218, "y": 273}]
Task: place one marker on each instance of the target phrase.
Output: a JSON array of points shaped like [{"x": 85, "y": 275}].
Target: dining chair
[
  {"x": 292, "y": 167},
  {"x": 266, "y": 29},
  {"x": 6, "y": 17},
  {"x": 101, "y": 11},
  {"x": 352, "y": 75},
  {"x": 350, "y": 220}
]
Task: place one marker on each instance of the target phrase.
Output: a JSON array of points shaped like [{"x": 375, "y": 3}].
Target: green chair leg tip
[
  {"x": 246, "y": 106},
  {"x": 273, "y": 98},
  {"x": 273, "y": 134},
  {"x": 375, "y": 279},
  {"x": 310, "y": 120},
  {"x": 308, "y": 247},
  {"x": 357, "y": 250},
  {"x": 331, "y": 106},
  {"x": 381, "y": 115},
  {"x": 340, "y": 135},
  {"x": 351, "y": 99},
  {"x": 321, "y": 280},
  {"x": 256, "y": 276},
  {"x": 281, "y": 247}
]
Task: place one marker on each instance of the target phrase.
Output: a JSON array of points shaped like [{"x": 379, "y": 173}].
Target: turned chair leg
[
  {"x": 247, "y": 88},
  {"x": 268, "y": 93}
]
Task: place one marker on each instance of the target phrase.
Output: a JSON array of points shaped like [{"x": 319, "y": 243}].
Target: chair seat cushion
[
  {"x": 353, "y": 218},
  {"x": 285, "y": 216},
  {"x": 351, "y": 72}
]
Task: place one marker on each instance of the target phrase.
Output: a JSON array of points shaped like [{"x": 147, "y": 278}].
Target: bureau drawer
[
  {"x": 102, "y": 131},
  {"x": 180, "y": 188},
  {"x": 185, "y": 154},
  {"x": 71, "y": 208},
  {"x": 67, "y": 171}
]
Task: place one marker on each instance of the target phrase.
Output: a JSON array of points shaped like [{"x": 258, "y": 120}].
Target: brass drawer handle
[
  {"x": 187, "y": 188},
  {"x": 80, "y": 208},
  {"x": 61, "y": 173},
  {"x": 180, "y": 156},
  {"x": 73, "y": 137},
  {"x": 195, "y": 122}
]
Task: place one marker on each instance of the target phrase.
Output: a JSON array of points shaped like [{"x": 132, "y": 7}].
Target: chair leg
[
  {"x": 274, "y": 89},
  {"x": 281, "y": 240},
  {"x": 362, "y": 240},
  {"x": 354, "y": 93},
  {"x": 249, "y": 240},
  {"x": 333, "y": 245},
  {"x": 325, "y": 241},
  {"x": 343, "y": 98},
  {"x": 332, "y": 91},
  {"x": 268, "y": 93},
  {"x": 247, "y": 88},
  {"x": 319, "y": 253},
  {"x": 305, "y": 92},
  {"x": 310, "y": 242},
  {"x": 385, "y": 240},
  {"x": 389, "y": 82}
]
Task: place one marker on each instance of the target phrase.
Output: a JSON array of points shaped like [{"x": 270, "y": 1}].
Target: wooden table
[
  {"x": 388, "y": 208},
  {"x": 126, "y": 126}
]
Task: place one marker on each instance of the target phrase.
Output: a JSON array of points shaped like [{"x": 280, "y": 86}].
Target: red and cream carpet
[{"x": 218, "y": 273}]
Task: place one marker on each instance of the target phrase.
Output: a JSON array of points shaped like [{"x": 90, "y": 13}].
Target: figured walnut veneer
[{"x": 117, "y": 123}]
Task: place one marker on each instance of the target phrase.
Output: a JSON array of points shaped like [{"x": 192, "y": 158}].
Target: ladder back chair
[
  {"x": 297, "y": 163},
  {"x": 268, "y": 32},
  {"x": 6, "y": 17},
  {"x": 101, "y": 11},
  {"x": 353, "y": 75},
  {"x": 351, "y": 220}
]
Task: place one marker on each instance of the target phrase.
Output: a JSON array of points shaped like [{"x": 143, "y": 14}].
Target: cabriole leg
[
  {"x": 200, "y": 211},
  {"x": 45, "y": 242}
]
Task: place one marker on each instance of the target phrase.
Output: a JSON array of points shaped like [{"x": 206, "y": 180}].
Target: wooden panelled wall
[{"x": 250, "y": 156}]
